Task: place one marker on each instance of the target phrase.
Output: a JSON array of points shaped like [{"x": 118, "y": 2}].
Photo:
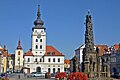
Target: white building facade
[
  {"x": 19, "y": 57},
  {"x": 42, "y": 58},
  {"x": 79, "y": 53},
  {"x": 1, "y": 60}
]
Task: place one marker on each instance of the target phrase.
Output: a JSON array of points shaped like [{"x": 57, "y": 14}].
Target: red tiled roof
[
  {"x": 67, "y": 61},
  {"x": 51, "y": 51},
  {"x": 5, "y": 53},
  {"x": 116, "y": 46},
  {"x": 29, "y": 53},
  {"x": 102, "y": 49}
]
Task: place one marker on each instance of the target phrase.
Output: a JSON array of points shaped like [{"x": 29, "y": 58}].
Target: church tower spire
[
  {"x": 38, "y": 13},
  {"x": 38, "y": 22},
  {"x": 19, "y": 45},
  {"x": 4, "y": 47}
]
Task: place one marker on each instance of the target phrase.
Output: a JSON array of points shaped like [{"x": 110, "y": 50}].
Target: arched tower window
[
  {"x": 40, "y": 40},
  {"x": 36, "y": 40},
  {"x": 40, "y": 46},
  {"x": 36, "y": 46},
  {"x": 18, "y": 52},
  {"x": 28, "y": 59}
]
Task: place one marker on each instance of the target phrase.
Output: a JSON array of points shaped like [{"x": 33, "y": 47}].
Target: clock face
[{"x": 38, "y": 36}]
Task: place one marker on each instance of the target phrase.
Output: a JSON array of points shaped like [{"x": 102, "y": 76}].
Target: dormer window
[
  {"x": 53, "y": 53},
  {"x": 48, "y": 53}
]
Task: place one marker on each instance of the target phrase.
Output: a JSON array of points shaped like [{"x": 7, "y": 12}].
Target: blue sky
[{"x": 64, "y": 22}]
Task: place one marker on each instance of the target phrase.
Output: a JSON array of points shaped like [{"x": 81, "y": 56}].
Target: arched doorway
[
  {"x": 28, "y": 70},
  {"x": 38, "y": 69}
]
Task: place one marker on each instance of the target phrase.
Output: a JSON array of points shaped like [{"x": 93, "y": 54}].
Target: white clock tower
[{"x": 38, "y": 36}]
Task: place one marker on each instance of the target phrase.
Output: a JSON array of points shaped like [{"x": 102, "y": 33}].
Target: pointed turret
[
  {"x": 19, "y": 45},
  {"x": 38, "y": 23},
  {"x": 4, "y": 48}
]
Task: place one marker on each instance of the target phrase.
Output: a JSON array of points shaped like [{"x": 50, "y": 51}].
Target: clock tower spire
[{"x": 38, "y": 22}]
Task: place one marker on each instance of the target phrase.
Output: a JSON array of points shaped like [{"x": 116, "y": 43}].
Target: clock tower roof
[{"x": 38, "y": 22}]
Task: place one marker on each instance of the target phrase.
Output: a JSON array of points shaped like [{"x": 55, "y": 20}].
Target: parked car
[
  {"x": 32, "y": 74},
  {"x": 44, "y": 72},
  {"x": 3, "y": 75},
  {"x": 9, "y": 72},
  {"x": 37, "y": 74},
  {"x": 117, "y": 76}
]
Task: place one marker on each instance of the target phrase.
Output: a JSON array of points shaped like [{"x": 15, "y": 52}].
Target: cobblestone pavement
[{"x": 22, "y": 77}]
